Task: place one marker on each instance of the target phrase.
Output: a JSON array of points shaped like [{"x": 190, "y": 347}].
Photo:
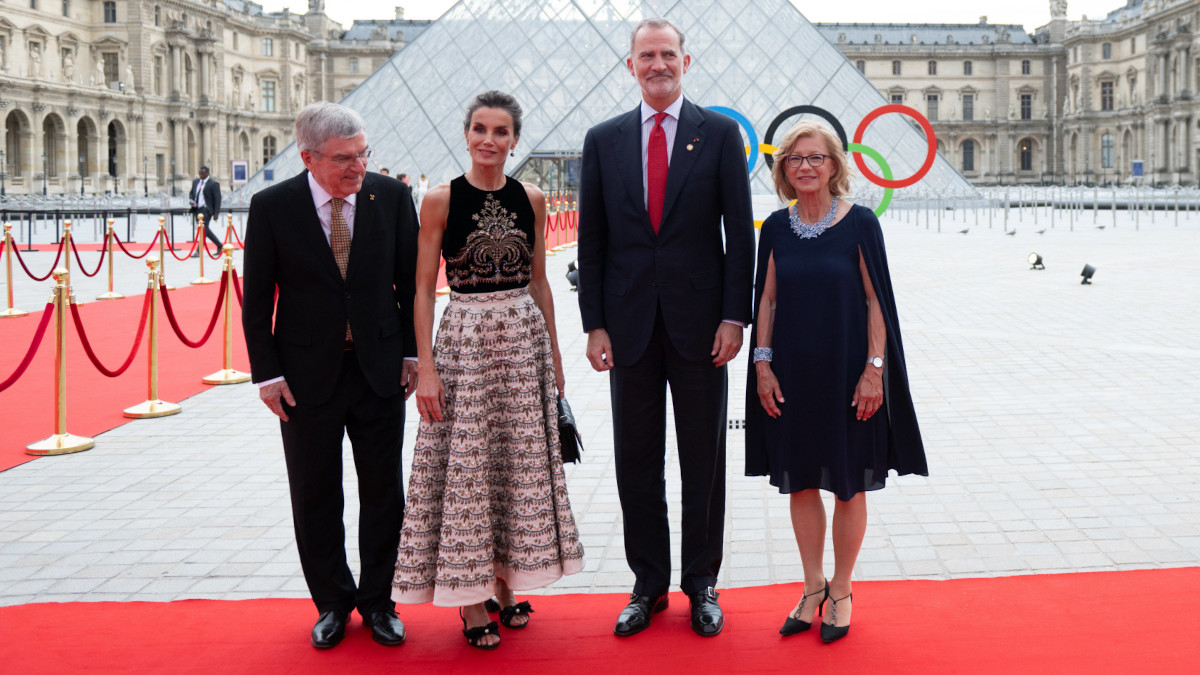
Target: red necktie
[{"x": 656, "y": 171}]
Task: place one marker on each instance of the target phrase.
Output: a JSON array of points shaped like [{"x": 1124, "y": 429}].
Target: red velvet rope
[
  {"x": 171, "y": 248},
  {"x": 33, "y": 276},
  {"x": 211, "y": 323},
  {"x": 210, "y": 255},
  {"x": 37, "y": 340},
  {"x": 137, "y": 340},
  {"x": 145, "y": 253},
  {"x": 241, "y": 244},
  {"x": 84, "y": 272},
  {"x": 237, "y": 287}
]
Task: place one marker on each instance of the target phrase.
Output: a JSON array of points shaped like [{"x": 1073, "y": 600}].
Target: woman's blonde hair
[{"x": 839, "y": 177}]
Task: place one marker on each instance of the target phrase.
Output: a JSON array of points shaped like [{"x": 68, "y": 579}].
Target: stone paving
[{"x": 1060, "y": 421}]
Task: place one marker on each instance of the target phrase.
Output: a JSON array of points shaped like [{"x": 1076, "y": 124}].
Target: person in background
[{"x": 205, "y": 200}]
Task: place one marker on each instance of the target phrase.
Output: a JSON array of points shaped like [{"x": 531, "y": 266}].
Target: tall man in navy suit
[
  {"x": 664, "y": 298},
  {"x": 328, "y": 315}
]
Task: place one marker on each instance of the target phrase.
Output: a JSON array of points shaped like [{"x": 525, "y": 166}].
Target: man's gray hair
[
  {"x": 318, "y": 122},
  {"x": 655, "y": 22}
]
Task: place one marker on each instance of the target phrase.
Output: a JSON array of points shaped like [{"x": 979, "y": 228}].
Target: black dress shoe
[
  {"x": 707, "y": 618},
  {"x": 386, "y": 628},
  {"x": 635, "y": 618},
  {"x": 330, "y": 629}
]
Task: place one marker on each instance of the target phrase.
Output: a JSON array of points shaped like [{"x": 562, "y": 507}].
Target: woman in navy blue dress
[{"x": 828, "y": 406}]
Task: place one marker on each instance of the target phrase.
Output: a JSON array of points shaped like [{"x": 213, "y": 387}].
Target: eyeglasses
[
  {"x": 345, "y": 161},
  {"x": 797, "y": 161}
]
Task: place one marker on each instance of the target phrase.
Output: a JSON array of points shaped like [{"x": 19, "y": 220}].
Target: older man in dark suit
[
  {"x": 666, "y": 245},
  {"x": 340, "y": 246}
]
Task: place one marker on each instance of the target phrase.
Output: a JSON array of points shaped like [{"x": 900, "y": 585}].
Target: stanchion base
[
  {"x": 153, "y": 408},
  {"x": 11, "y": 312},
  {"x": 227, "y": 376},
  {"x": 60, "y": 444},
  {"x": 201, "y": 281},
  {"x": 111, "y": 295}
]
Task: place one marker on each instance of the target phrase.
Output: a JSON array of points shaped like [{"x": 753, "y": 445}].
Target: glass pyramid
[{"x": 564, "y": 60}]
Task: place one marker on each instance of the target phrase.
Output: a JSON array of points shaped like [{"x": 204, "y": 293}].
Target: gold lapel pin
[
  {"x": 372, "y": 197},
  {"x": 689, "y": 146}
]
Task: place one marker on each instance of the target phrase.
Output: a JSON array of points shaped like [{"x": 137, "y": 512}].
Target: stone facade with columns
[
  {"x": 133, "y": 96},
  {"x": 1072, "y": 102}
]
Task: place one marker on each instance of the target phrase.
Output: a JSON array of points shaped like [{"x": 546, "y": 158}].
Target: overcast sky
[{"x": 1028, "y": 13}]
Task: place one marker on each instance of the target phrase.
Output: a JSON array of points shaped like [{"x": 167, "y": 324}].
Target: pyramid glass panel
[{"x": 564, "y": 60}]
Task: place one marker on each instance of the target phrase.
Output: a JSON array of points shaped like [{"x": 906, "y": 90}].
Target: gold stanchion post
[
  {"x": 9, "y": 249},
  {"x": 162, "y": 249},
  {"x": 201, "y": 280},
  {"x": 61, "y": 442},
  {"x": 227, "y": 375},
  {"x": 153, "y": 406},
  {"x": 229, "y": 235},
  {"x": 67, "y": 245},
  {"x": 108, "y": 241}
]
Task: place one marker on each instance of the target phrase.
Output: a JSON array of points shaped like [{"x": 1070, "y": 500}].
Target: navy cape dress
[{"x": 820, "y": 341}]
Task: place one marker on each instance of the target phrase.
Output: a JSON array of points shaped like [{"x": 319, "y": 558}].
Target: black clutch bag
[{"x": 569, "y": 439}]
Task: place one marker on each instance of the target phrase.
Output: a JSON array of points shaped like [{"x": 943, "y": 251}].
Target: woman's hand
[
  {"x": 868, "y": 395},
  {"x": 768, "y": 389},
  {"x": 431, "y": 396},
  {"x": 560, "y": 380}
]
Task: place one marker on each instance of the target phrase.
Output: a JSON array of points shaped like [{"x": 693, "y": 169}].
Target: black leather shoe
[
  {"x": 330, "y": 629},
  {"x": 635, "y": 618},
  {"x": 386, "y": 628},
  {"x": 707, "y": 618}
]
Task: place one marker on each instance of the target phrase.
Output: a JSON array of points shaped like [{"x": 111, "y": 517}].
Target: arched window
[
  {"x": 13, "y": 145},
  {"x": 1106, "y": 151},
  {"x": 1026, "y": 153},
  {"x": 968, "y": 155}
]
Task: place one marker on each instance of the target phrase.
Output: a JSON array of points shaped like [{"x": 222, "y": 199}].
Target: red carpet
[
  {"x": 95, "y": 402},
  {"x": 1140, "y": 621}
]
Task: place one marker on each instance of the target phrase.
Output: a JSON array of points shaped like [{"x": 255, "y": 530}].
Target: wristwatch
[{"x": 876, "y": 361}]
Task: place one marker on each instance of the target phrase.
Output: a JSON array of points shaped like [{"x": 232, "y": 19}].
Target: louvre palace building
[{"x": 127, "y": 96}]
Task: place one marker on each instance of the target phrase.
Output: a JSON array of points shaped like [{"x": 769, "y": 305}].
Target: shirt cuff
[
  {"x": 410, "y": 358},
  {"x": 739, "y": 324},
  {"x": 273, "y": 380}
]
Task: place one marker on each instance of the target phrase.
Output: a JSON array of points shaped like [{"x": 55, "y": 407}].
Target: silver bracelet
[{"x": 763, "y": 354}]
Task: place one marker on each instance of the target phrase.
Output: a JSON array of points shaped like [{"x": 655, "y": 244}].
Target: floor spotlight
[
  {"x": 1087, "y": 273},
  {"x": 573, "y": 275},
  {"x": 1035, "y": 262}
]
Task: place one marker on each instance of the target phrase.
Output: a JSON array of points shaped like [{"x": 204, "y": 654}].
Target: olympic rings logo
[{"x": 856, "y": 148}]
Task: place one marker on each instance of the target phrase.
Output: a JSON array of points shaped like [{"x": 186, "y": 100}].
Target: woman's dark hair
[{"x": 498, "y": 100}]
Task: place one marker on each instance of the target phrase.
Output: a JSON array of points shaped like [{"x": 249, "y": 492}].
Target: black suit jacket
[
  {"x": 286, "y": 249},
  {"x": 212, "y": 195},
  {"x": 697, "y": 276}
]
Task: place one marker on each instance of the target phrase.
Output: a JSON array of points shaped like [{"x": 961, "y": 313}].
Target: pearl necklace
[{"x": 806, "y": 231}]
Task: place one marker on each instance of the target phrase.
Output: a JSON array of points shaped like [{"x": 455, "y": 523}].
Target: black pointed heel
[
  {"x": 476, "y": 634},
  {"x": 833, "y": 632},
  {"x": 793, "y": 625},
  {"x": 507, "y": 614}
]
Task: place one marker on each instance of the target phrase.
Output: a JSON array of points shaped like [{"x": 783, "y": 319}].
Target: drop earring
[{"x": 512, "y": 152}]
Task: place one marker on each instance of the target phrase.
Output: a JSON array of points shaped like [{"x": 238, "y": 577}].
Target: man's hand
[
  {"x": 408, "y": 378},
  {"x": 727, "y": 344},
  {"x": 599, "y": 350},
  {"x": 274, "y": 394}
]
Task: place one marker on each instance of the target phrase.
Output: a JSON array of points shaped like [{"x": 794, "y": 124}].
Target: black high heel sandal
[
  {"x": 833, "y": 632},
  {"x": 507, "y": 614},
  {"x": 476, "y": 634},
  {"x": 491, "y": 605},
  {"x": 794, "y": 625}
]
